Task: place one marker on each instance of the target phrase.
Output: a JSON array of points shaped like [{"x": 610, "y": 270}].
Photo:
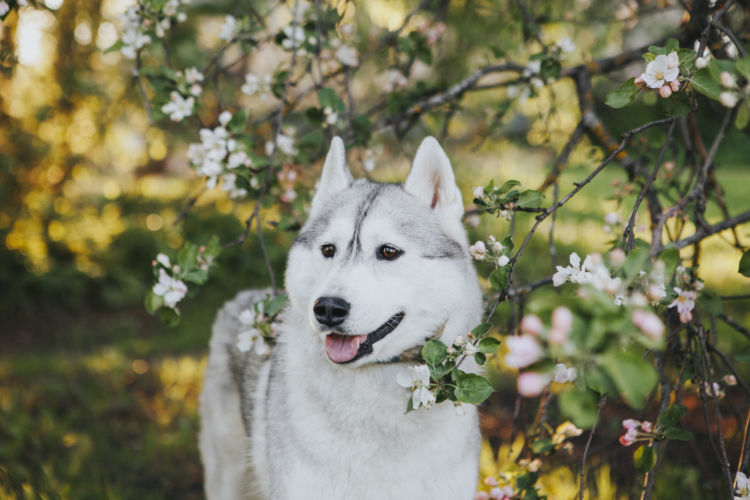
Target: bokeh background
[{"x": 97, "y": 398}]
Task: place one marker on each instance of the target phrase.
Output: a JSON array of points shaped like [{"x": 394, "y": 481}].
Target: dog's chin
[{"x": 342, "y": 348}]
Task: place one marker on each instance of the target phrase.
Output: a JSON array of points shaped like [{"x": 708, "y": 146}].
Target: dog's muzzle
[{"x": 344, "y": 349}]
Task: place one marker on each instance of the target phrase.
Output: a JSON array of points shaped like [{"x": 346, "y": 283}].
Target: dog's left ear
[
  {"x": 431, "y": 180},
  {"x": 335, "y": 176}
]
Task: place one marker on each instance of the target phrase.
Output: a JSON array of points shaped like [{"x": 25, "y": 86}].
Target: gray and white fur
[{"x": 316, "y": 421}]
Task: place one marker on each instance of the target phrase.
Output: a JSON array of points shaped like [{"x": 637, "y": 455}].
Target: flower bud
[
  {"x": 674, "y": 85},
  {"x": 665, "y": 91},
  {"x": 727, "y": 80},
  {"x": 617, "y": 257},
  {"x": 701, "y": 63},
  {"x": 639, "y": 82},
  {"x": 728, "y": 99}
]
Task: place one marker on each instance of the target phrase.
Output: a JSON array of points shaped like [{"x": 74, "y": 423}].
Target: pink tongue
[{"x": 342, "y": 348}]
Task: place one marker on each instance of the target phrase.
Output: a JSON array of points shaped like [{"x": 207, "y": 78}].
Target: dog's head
[{"x": 380, "y": 268}]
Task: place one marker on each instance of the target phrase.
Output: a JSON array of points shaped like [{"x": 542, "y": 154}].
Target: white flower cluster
[
  {"x": 216, "y": 153},
  {"x": 229, "y": 28},
  {"x": 394, "y": 79},
  {"x": 592, "y": 272},
  {"x": 418, "y": 380},
  {"x": 136, "y": 22},
  {"x": 255, "y": 84},
  {"x": 173, "y": 290},
  {"x": 662, "y": 73},
  {"x": 180, "y": 107},
  {"x": 284, "y": 141},
  {"x": 493, "y": 250},
  {"x": 252, "y": 338}
]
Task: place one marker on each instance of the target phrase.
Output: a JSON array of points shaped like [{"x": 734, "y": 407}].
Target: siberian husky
[{"x": 376, "y": 271}]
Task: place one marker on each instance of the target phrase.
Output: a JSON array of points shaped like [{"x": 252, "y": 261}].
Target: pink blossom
[
  {"x": 522, "y": 351},
  {"x": 629, "y": 423},
  {"x": 562, "y": 321},
  {"x": 685, "y": 303},
  {"x": 649, "y": 323},
  {"x": 482, "y": 495},
  {"x": 627, "y": 439},
  {"x": 646, "y": 426},
  {"x": 531, "y": 324},
  {"x": 531, "y": 384},
  {"x": 490, "y": 481}
]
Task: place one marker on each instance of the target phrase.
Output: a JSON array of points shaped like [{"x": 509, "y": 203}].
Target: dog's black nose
[{"x": 331, "y": 311}]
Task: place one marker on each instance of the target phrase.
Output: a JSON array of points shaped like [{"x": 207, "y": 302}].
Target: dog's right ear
[{"x": 335, "y": 177}]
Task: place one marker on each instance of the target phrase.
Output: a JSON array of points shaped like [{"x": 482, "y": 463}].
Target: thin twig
[{"x": 599, "y": 406}]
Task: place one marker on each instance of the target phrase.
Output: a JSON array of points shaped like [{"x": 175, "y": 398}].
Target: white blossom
[
  {"x": 133, "y": 36},
  {"x": 294, "y": 36},
  {"x": 192, "y": 75},
  {"x": 478, "y": 192},
  {"x": 663, "y": 69},
  {"x": 369, "y": 161},
  {"x": 575, "y": 272},
  {"x": 163, "y": 260},
  {"x": 418, "y": 380},
  {"x": 564, "y": 374},
  {"x": 566, "y": 44},
  {"x": 250, "y": 339},
  {"x": 347, "y": 55},
  {"x": 171, "y": 289},
  {"x": 229, "y": 28},
  {"x": 742, "y": 487},
  {"x": 178, "y": 108},
  {"x": 254, "y": 84},
  {"x": 478, "y": 250},
  {"x": 728, "y": 99},
  {"x": 685, "y": 303},
  {"x": 4, "y": 8},
  {"x": 495, "y": 245},
  {"x": 503, "y": 260}
]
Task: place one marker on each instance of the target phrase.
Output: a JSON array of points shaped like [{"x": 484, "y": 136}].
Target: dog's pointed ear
[
  {"x": 432, "y": 181},
  {"x": 335, "y": 177}
]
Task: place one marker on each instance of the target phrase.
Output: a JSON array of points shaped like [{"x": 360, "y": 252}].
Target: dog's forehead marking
[{"x": 365, "y": 199}]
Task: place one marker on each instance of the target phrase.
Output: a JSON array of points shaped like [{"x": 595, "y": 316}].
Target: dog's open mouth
[{"x": 347, "y": 348}]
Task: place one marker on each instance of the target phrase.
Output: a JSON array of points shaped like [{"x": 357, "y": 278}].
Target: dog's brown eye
[
  {"x": 387, "y": 252},
  {"x": 328, "y": 250}
]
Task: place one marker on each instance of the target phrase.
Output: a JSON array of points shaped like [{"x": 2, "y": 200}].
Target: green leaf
[
  {"x": 579, "y": 405},
  {"x": 744, "y": 268},
  {"x": 657, "y": 51},
  {"x": 328, "y": 98},
  {"x": 505, "y": 187},
  {"x": 743, "y": 116},
  {"x": 434, "y": 352},
  {"x": 644, "y": 458},
  {"x": 488, "y": 345},
  {"x": 508, "y": 243},
  {"x": 169, "y": 316},
  {"x": 635, "y": 262},
  {"x": 686, "y": 57},
  {"x": 362, "y": 127},
  {"x": 677, "y": 105},
  {"x": 499, "y": 278},
  {"x": 542, "y": 446},
  {"x": 529, "y": 198},
  {"x": 633, "y": 376},
  {"x": 187, "y": 256},
  {"x": 153, "y": 302},
  {"x": 115, "y": 47},
  {"x": 526, "y": 481},
  {"x": 622, "y": 95},
  {"x": 237, "y": 123},
  {"x": 703, "y": 82},
  {"x": 471, "y": 388},
  {"x": 480, "y": 358},
  {"x": 743, "y": 66},
  {"x": 276, "y": 304},
  {"x": 670, "y": 256},
  {"x": 197, "y": 276},
  {"x": 672, "y": 415},
  {"x": 672, "y": 45},
  {"x": 481, "y": 329},
  {"x": 598, "y": 380},
  {"x": 678, "y": 434}
]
